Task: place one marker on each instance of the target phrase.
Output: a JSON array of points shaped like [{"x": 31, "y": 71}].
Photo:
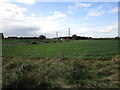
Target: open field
[
  {"x": 6, "y": 41},
  {"x": 86, "y": 49},
  {"x": 74, "y": 64}
]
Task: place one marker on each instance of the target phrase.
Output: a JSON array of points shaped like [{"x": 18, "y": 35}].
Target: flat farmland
[
  {"x": 7, "y": 41},
  {"x": 73, "y": 64},
  {"x": 85, "y": 49}
]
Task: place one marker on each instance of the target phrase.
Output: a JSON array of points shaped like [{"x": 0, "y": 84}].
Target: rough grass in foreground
[{"x": 53, "y": 73}]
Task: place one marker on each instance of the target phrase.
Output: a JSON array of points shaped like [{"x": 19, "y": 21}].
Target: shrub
[{"x": 34, "y": 42}]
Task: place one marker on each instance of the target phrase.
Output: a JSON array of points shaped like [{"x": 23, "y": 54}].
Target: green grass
[
  {"x": 86, "y": 49},
  {"x": 7, "y": 41},
  {"x": 61, "y": 65}
]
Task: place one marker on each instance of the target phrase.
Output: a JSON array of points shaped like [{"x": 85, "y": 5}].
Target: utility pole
[
  {"x": 56, "y": 35},
  {"x": 69, "y": 32}
]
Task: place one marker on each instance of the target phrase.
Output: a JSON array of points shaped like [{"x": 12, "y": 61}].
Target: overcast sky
[{"x": 92, "y": 19}]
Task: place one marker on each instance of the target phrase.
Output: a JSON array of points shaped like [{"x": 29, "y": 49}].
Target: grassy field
[
  {"x": 86, "y": 49},
  {"x": 71, "y": 65},
  {"x": 6, "y": 41}
]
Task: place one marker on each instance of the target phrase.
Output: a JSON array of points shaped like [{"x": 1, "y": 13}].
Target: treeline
[
  {"x": 116, "y": 38},
  {"x": 40, "y": 37},
  {"x": 73, "y": 37}
]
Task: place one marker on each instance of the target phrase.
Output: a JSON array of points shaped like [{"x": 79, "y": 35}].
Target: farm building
[{"x": 65, "y": 38}]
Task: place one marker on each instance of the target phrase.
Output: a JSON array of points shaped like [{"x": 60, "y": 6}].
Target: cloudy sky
[{"x": 30, "y": 18}]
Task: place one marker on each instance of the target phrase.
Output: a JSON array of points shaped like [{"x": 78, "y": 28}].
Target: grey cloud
[{"x": 20, "y": 31}]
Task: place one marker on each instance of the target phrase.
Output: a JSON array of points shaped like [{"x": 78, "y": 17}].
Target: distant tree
[
  {"x": 90, "y": 37},
  {"x": 117, "y": 37},
  {"x": 42, "y": 37},
  {"x": 74, "y": 37},
  {"x": 1, "y": 36}
]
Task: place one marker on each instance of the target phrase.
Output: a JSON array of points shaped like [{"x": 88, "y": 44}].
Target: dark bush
[{"x": 34, "y": 42}]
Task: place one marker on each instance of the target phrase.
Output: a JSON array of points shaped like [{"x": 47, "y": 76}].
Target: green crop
[{"x": 86, "y": 49}]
